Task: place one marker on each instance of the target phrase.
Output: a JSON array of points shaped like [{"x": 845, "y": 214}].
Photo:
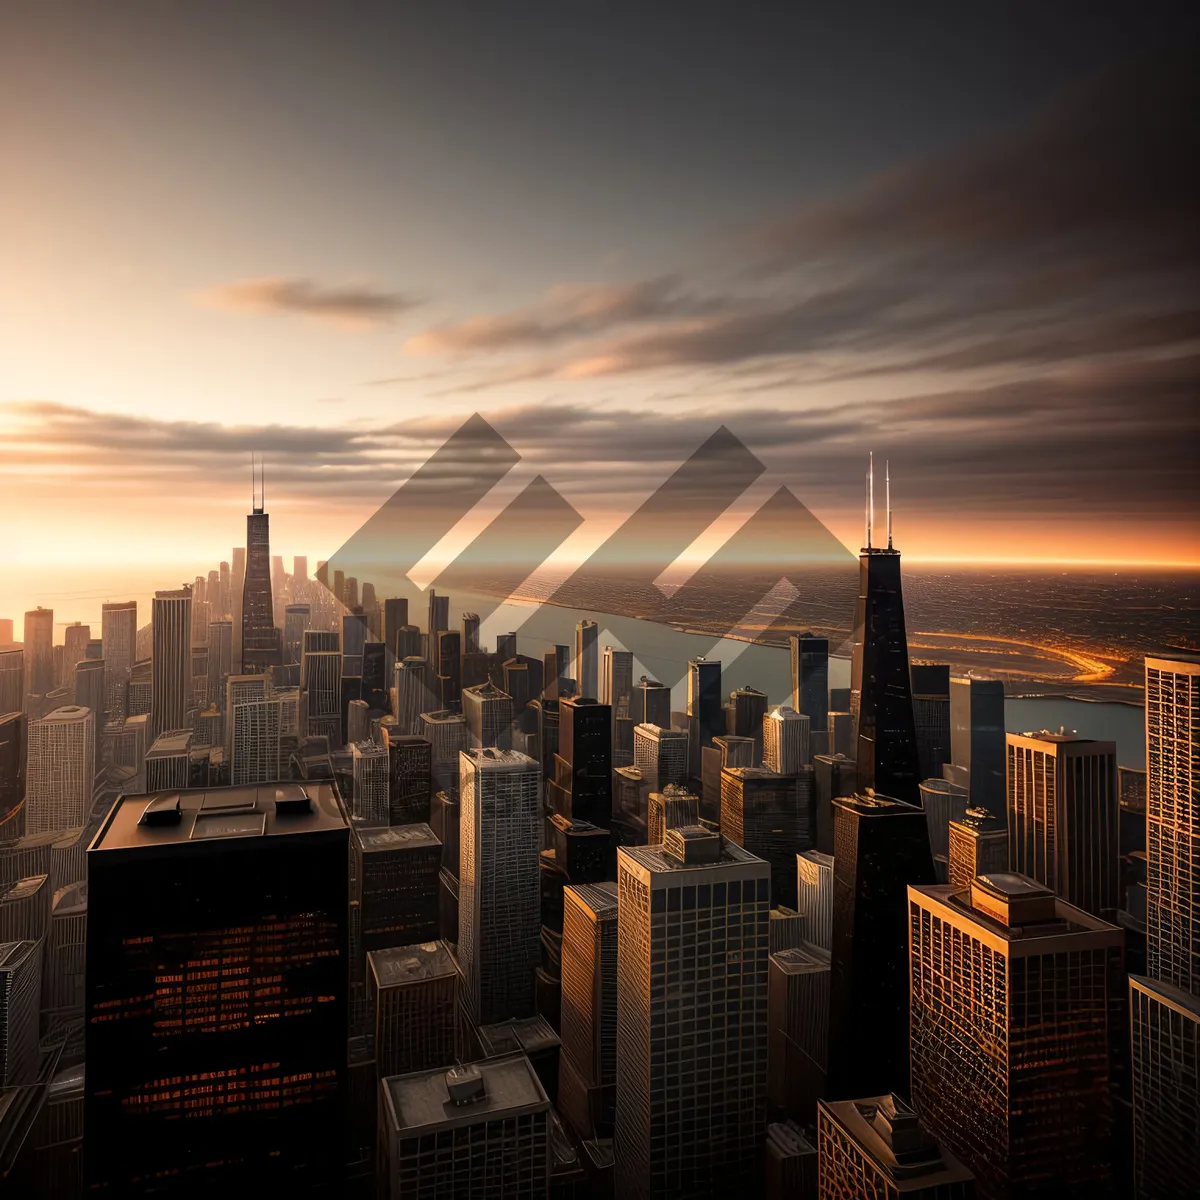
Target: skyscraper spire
[
  {"x": 887, "y": 479},
  {"x": 870, "y": 495}
]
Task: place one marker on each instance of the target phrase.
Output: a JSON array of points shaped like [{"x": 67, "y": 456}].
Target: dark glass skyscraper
[
  {"x": 810, "y": 683},
  {"x": 881, "y": 694},
  {"x": 261, "y": 648}
]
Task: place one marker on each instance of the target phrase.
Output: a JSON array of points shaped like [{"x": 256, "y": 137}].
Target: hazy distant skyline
[{"x": 963, "y": 237}]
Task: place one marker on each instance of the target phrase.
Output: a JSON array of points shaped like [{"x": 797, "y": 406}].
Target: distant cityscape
[{"x": 303, "y": 888}]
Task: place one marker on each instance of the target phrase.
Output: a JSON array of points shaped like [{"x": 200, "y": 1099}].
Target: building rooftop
[
  {"x": 980, "y": 820},
  {"x": 805, "y": 959},
  {"x": 12, "y": 954},
  {"x": 400, "y": 965},
  {"x": 492, "y": 759},
  {"x": 395, "y": 837},
  {"x": 889, "y": 1133},
  {"x": 67, "y": 712},
  {"x": 177, "y": 818},
  {"x": 22, "y": 889},
  {"x": 599, "y": 898},
  {"x": 419, "y": 1104},
  {"x": 527, "y": 1035},
  {"x": 652, "y": 860},
  {"x": 70, "y": 900},
  {"x": 171, "y": 742},
  {"x": 875, "y": 804},
  {"x": 815, "y": 856}
]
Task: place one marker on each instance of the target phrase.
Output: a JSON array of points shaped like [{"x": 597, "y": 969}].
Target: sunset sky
[{"x": 963, "y": 236}]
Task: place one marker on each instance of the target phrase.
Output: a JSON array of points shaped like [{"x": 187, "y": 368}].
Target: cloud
[{"x": 350, "y": 305}]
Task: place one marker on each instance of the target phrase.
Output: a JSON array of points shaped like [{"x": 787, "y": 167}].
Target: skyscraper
[
  {"x": 59, "y": 769},
  {"x": 485, "y": 1126},
  {"x": 651, "y": 703},
  {"x": 20, "y": 971},
  {"x": 582, "y": 785},
  {"x": 587, "y": 658},
  {"x": 13, "y": 727},
  {"x": 744, "y": 716},
  {"x": 296, "y": 619},
  {"x": 1165, "y": 1023},
  {"x": 39, "y": 652},
  {"x": 489, "y": 716},
  {"x": 168, "y": 761},
  {"x": 12, "y": 681},
  {"x": 785, "y": 740},
  {"x": 881, "y": 845},
  {"x": 705, "y": 718},
  {"x": 691, "y": 1024},
  {"x": 616, "y": 690},
  {"x": 499, "y": 907},
  {"x": 877, "y": 1149},
  {"x": 228, "y": 908},
  {"x": 978, "y": 845},
  {"x": 260, "y": 642},
  {"x": 410, "y": 760},
  {"x": 1173, "y": 821},
  {"x": 321, "y": 684},
  {"x": 931, "y": 714},
  {"x": 661, "y": 755},
  {"x": 256, "y": 730},
  {"x": 943, "y": 802},
  {"x": 414, "y": 992},
  {"x": 880, "y": 689},
  {"x": 814, "y": 900},
  {"x": 446, "y": 733},
  {"x": 977, "y": 740},
  {"x": 395, "y": 619},
  {"x": 1012, "y": 994},
  {"x": 810, "y": 684},
  {"x": 170, "y": 660},
  {"x": 413, "y": 694},
  {"x": 220, "y": 660},
  {"x": 759, "y": 811},
  {"x": 89, "y": 694},
  {"x": 371, "y": 779},
  {"x": 1063, "y": 816}
]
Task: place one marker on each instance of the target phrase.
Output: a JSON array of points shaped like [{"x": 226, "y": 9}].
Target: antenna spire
[
  {"x": 887, "y": 475},
  {"x": 870, "y": 496}
]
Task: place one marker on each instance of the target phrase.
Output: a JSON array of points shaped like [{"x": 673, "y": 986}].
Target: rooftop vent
[
  {"x": 162, "y": 810},
  {"x": 465, "y": 1084},
  {"x": 692, "y": 844},
  {"x": 292, "y": 801}
]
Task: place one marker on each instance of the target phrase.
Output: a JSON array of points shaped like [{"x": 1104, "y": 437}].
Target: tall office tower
[
  {"x": 785, "y": 740},
  {"x": 448, "y": 653},
  {"x": 727, "y": 750},
  {"x": 371, "y": 770},
  {"x": 814, "y": 897},
  {"x": 1173, "y": 821},
  {"x": 299, "y": 569},
  {"x": 582, "y": 787},
  {"x": 395, "y": 618},
  {"x": 414, "y": 995},
  {"x": 352, "y": 601},
  {"x": 168, "y": 761},
  {"x": 587, "y": 1077},
  {"x": 12, "y": 774},
  {"x": 413, "y": 694},
  {"x": 438, "y": 618},
  {"x": 1063, "y": 816},
  {"x": 616, "y": 690},
  {"x": 170, "y": 660},
  {"x": 943, "y": 802},
  {"x": 38, "y": 641},
  {"x": 705, "y": 718},
  {"x": 209, "y": 728},
  {"x": 518, "y": 685},
  {"x": 842, "y": 739},
  {"x": 59, "y": 769},
  {"x": 880, "y": 689},
  {"x": 834, "y": 775},
  {"x": 661, "y": 754},
  {"x": 255, "y": 740},
  {"x": 1012, "y": 995},
  {"x": 261, "y": 648},
  {"x": 810, "y": 683},
  {"x": 470, "y": 633},
  {"x": 745, "y": 713},
  {"x": 237, "y": 585},
  {"x": 339, "y": 586},
  {"x": 25, "y": 909},
  {"x": 128, "y": 742},
  {"x": 499, "y": 902},
  {"x": 321, "y": 689},
  {"x": 587, "y": 659},
  {"x": 358, "y": 717},
  {"x": 651, "y": 703},
  {"x": 761, "y": 813},
  {"x": 489, "y": 715},
  {"x": 1165, "y": 1023},
  {"x": 689, "y": 1119},
  {"x": 12, "y": 681},
  {"x": 672, "y": 808},
  {"x": 931, "y": 714},
  {"x": 395, "y": 880},
  {"x": 224, "y": 591},
  {"x": 75, "y": 642},
  {"x": 791, "y": 1162},
  {"x": 278, "y": 582},
  {"x": 798, "y": 1015},
  {"x": 977, "y": 740},
  {"x": 546, "y": 711},
  {"x": 410, "y": 761},
  {"x": 241, "y": 689},
  {"x": 978, "y": 845},
  {"x": 296, "y": 619},
  {"x": 354, "y": 639},
  {"x": 20, "y": 971},
  {"x": 446, "y": 733},
  {"x": 228, "y": 909},
  {"x": 89, "y": 693},
  {"x": 95, "y": 648},
  {"x": 289, "y": 713},
  {"x": 506, "y": 646},
  {"x": 220, "y": 661},
  {"x": 877, "y": 1149},
  {"x": 481, "y": 1129},
  {"x": 881, "y": 847},
  {"x": 375, "y": 680},
  {"x": 556, "y": 670}
]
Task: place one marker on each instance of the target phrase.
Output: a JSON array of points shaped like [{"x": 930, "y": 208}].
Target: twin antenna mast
[{"x": 887, "y": 477}]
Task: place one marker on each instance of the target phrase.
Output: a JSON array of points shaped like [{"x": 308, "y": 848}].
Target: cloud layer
[{"x": 353, "y": 305}]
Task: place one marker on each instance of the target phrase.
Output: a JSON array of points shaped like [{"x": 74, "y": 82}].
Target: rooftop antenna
[
  {"x": 870, "y": 495},
  {"x": 887, "y": 477}
]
